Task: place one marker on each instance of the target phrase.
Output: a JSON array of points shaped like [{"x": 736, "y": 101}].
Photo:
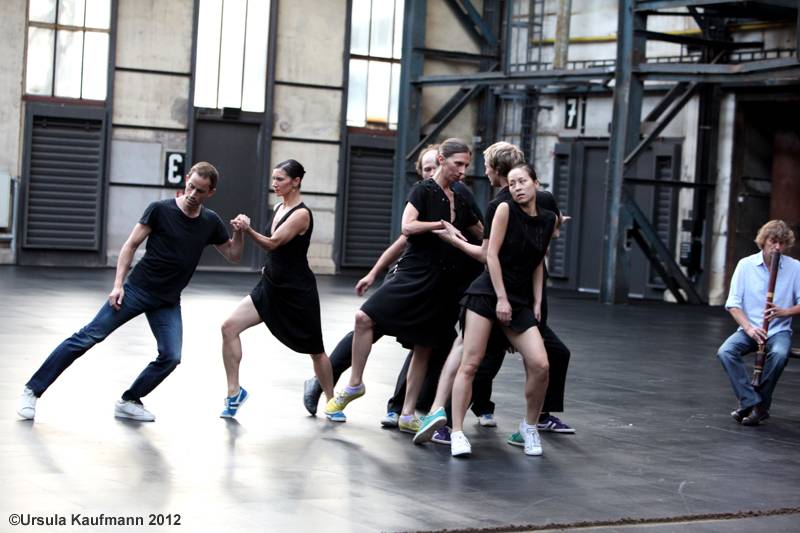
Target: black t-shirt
[{"x": 174, "y": 247}]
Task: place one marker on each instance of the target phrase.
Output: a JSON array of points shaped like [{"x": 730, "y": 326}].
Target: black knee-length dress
[
  {"x": 523, "y": 249},
  {"x": 286, "y": 297},
  {"x": 419, "y": 305}
]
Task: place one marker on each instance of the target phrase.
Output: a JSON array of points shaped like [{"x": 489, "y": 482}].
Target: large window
[
  {"x": 376, "y": 42},
  {"x": 67, "y": 54},
  {"x": 231, "y": 63}
]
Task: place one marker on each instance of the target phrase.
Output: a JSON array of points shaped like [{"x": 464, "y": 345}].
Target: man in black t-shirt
[{"x": 177, "y": 230}]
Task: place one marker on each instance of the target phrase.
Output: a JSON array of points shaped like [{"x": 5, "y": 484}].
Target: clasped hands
[{"x": 241, "y": 222}]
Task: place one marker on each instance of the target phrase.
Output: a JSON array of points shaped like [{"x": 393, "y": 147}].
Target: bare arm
[
  {"x": 297, "y": 223},
  {"x": 412, "y": 226},
  {"x": 387, "y": 258},
  {"x": 451, "y": 235},
  {"x": 538, "y": 286},
  {"x": 496, "y": 237},
  {"x": 233, "y": 248},
  {"x": 135, "y": 239}
]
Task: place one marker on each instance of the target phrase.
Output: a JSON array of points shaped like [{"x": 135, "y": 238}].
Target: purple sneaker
[
  {"x": 442, "y": 436},
  {"x": 553, "y": 424}
]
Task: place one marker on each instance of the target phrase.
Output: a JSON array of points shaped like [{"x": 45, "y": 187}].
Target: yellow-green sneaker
[
  {"x": 342, "y": 398},
  {"x": 409, "y": 424}
]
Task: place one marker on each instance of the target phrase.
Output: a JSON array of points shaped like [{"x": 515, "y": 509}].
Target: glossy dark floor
[{"x": 648, "y": 398}]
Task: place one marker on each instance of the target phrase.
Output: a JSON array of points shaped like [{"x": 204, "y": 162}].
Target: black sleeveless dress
[
  {"x": 286, "y": 298},
  {"x": 420, "y": 304},
  {"x": 523, "y": 249}
]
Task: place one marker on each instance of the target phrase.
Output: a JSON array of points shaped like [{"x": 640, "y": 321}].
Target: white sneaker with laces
[
  {"x": 27, "y": 404},
  {"x": 533, "y": 444},
  {"x": 133, "y": 411},
  {"x": 459, "y": 445},
  {"x": 487, "y": 420}
]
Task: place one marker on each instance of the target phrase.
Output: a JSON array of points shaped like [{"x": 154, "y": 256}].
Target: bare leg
[
  {"x": 476, "y": 335},
  {"x": 529, "y": 343},
  {"x": 445, "y": 386},
  {"x": 416, "y": 377},
  {"x": 324, "y": 373},
  {"x": 363, "y": 335},
  {"x": 243, "y": 317}
]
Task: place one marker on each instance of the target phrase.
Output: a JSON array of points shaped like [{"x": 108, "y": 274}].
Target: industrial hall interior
[{"x": 195, "y": 168}]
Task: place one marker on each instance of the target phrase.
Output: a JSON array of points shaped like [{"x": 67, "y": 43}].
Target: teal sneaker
[
  {"x": 515, "y": 439},
  {"x": 342, "y": 398},
  {"x": 429, "y": 424}
]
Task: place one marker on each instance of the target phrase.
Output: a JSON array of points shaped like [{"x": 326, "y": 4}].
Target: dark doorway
[
  {"x": 579, "y": 186},
  {"x": 765, "y": 182},
  {"x": 232, "y": 147}
]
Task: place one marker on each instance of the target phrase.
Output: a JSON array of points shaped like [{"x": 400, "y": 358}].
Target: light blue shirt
[{"x": 749, "y": 290}]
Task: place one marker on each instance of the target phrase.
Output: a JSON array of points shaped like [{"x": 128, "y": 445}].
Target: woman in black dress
[
  {"x": 285, "y": 298},
  {"x": 419, "y": 305},
  {"x": 509, "y": 293}
]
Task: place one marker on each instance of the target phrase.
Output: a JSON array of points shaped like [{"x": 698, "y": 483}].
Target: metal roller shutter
[
  {"x": 557, "y": 262},
  {"x": 64, "y": 184},
  {"x": 368, "y": 210}
]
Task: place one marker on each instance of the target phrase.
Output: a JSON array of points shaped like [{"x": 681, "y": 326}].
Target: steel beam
[
  {"x": 469, "y": 17},
  {"x": 642, "y": 224},
  {"x": 410, "y": 104},
  {"x": 625, "y": 124},
  {"x": 675, "y": 92},
  {"x": 451, "y": 55},
  {"x": 445, "y": 114},
  {"x": 698, "y": 41},
  {"x": 534, "y": 77},
  {"x": 645, "y": 5}
]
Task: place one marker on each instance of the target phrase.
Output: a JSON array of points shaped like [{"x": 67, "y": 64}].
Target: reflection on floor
[{"x": 648, "y": 398}]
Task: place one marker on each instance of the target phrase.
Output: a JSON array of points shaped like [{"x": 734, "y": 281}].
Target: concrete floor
[{"x": 645, "y": 392}]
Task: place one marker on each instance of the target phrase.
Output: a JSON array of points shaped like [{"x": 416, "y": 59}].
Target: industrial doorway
[{"x": 579, "y": 176}]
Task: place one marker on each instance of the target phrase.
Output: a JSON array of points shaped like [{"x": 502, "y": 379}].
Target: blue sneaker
[
  {"x": 429, "y": 424},
  {"x": 553, "y": 424},
  {"x": 391, "y": 420},
  {"x": 233, "y": 403},
  {"x": 442, "y": 436},
  {"x": 338, "y": 416}
]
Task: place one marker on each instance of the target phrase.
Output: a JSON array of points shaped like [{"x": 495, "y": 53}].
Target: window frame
[{"x": 56, "y": 27}]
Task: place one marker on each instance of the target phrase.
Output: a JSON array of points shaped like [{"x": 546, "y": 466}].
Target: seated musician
[{"x": 746, "y": 303}]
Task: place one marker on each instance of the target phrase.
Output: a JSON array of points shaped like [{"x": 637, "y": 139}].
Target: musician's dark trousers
[
  {"x": 558, "y": 356},
  {"x": 732, "y": 353}
]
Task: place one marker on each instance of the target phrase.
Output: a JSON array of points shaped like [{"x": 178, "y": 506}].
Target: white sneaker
[
  {"x": 533, "y": 444},
  {"x": 27, "y": 404},
  {"x": 487, "y": 420},
  {"x": 133, "y": 411},
  {"x": 459, "y": 445}
]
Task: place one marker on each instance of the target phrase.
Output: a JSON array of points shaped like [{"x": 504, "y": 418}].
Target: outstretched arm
[
  {"x": 135, "y": 239},
  {"x": 233, "y": 248},
  {"x": 297, "y": 223},
  {"x": 451, "y": 235}
]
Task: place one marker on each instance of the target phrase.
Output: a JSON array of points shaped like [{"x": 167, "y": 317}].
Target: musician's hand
[
  {"x": 757, "y": 334},
  {"x": 364, "y": 283},
  {"x": 772, "y": 311},
  {"x": 503, "y": 311}
]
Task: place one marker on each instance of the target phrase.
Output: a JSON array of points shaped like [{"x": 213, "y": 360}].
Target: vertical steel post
[
  {"x": 625, "y": 127},
  {"x": 409, "y": 119}
]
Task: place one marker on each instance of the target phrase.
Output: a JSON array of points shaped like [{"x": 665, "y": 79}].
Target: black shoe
[
  {"x": 740, "y": 414},
  {"x": 311, "y": 393},
  {"x": 758, "y": 415}
]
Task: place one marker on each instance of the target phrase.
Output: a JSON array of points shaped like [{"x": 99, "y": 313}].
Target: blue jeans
[
  {"x": 165, "y": 323},
  {"x": 731, "y": 355}
]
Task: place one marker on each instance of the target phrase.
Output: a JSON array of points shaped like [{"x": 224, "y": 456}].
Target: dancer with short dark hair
[
  {"x": 177, "y": 230},
  {"x": 510, "y": 294},
  {"x": 286, "y": 298}
]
